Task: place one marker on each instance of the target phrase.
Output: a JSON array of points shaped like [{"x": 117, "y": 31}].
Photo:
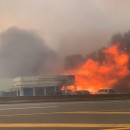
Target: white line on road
[
  {"x": 26, "y": 104},
  {"x": 4, "y": 109}
]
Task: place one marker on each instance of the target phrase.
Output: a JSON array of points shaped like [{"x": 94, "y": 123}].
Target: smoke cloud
[
  {"x": 25, "y": 53},
  {"x": 74, "y": 62},
  {"x": 123, "y": 85},
  {"x": 124, "y": 40},
  {"x": 22, "y": 53}
]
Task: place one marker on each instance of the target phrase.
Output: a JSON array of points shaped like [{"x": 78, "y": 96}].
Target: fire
[
  {"x": 71, "y": 88},
  {"x": 93, "y": 75}
]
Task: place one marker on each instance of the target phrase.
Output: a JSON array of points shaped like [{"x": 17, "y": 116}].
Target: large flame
[{"x": 93, "y": 75}]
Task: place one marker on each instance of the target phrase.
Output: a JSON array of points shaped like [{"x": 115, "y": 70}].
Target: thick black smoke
[
  {"x": 124, "y": 40},
  {"x": 73, "y": 61},
  {"x": 123, "y": 85},
  {"x": 77, "y": 60},
  {"x": 22, "y": 53}
]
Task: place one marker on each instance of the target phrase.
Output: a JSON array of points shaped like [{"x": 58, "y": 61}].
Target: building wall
[
  {"x": 44, "y": 81},
  {"x": 39, "y": 86}
]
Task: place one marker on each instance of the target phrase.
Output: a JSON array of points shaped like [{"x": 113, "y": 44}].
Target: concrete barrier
[{"x": 27, "y": 99}]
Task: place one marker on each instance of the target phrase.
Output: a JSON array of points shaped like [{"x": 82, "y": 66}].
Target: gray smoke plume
[
  {"x": 22, "y": 52},
  {"x": 77, "y": 60},
  {"x": 123, "y": 85},
  {"x": 73, "y": 61},
  {"x": 124, "y": 40}
]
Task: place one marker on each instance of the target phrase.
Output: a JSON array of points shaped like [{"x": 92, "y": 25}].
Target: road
[{"x": 90, "y": 115}]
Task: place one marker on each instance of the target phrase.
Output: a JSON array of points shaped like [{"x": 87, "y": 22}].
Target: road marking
[
  {"x": 4, "y": 109},
  {"x": 26, "y": 104},
  {"x": 54, "y": 113},
  {"x": 24, "y": 114},
  {"x": 62, "y": 125},
  {"x": 121, "y": 128},
  {"x": 94, "y": 112},
  {"x": 117, "y": 110}
]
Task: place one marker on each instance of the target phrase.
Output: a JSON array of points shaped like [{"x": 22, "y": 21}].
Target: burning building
[
  {"x": 102, "y": 69},
  {"x": 42, "y": 85},
  {"x": 110, "y": 69}
]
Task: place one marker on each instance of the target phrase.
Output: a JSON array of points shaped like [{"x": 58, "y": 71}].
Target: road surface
[{"x": 90, "y": 115}]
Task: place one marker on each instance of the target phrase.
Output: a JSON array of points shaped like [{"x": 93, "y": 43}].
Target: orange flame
[
  {"x": 93, "y": 75},
  {"x": 71, "y": 88}
]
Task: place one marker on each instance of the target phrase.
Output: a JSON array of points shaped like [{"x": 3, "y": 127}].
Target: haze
[{"x": 84, "y": 24}]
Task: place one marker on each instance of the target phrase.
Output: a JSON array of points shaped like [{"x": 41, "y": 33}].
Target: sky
[{"x": 68, "y": 26}]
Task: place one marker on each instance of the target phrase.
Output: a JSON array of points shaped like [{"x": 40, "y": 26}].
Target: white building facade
[{"x": 41, "y": 85}]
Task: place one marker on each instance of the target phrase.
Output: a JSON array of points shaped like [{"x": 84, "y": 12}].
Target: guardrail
[{"x": 27, "y": 99}]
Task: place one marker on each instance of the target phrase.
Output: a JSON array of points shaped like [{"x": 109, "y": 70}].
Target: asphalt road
[{"x": 90, "y": 115}]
